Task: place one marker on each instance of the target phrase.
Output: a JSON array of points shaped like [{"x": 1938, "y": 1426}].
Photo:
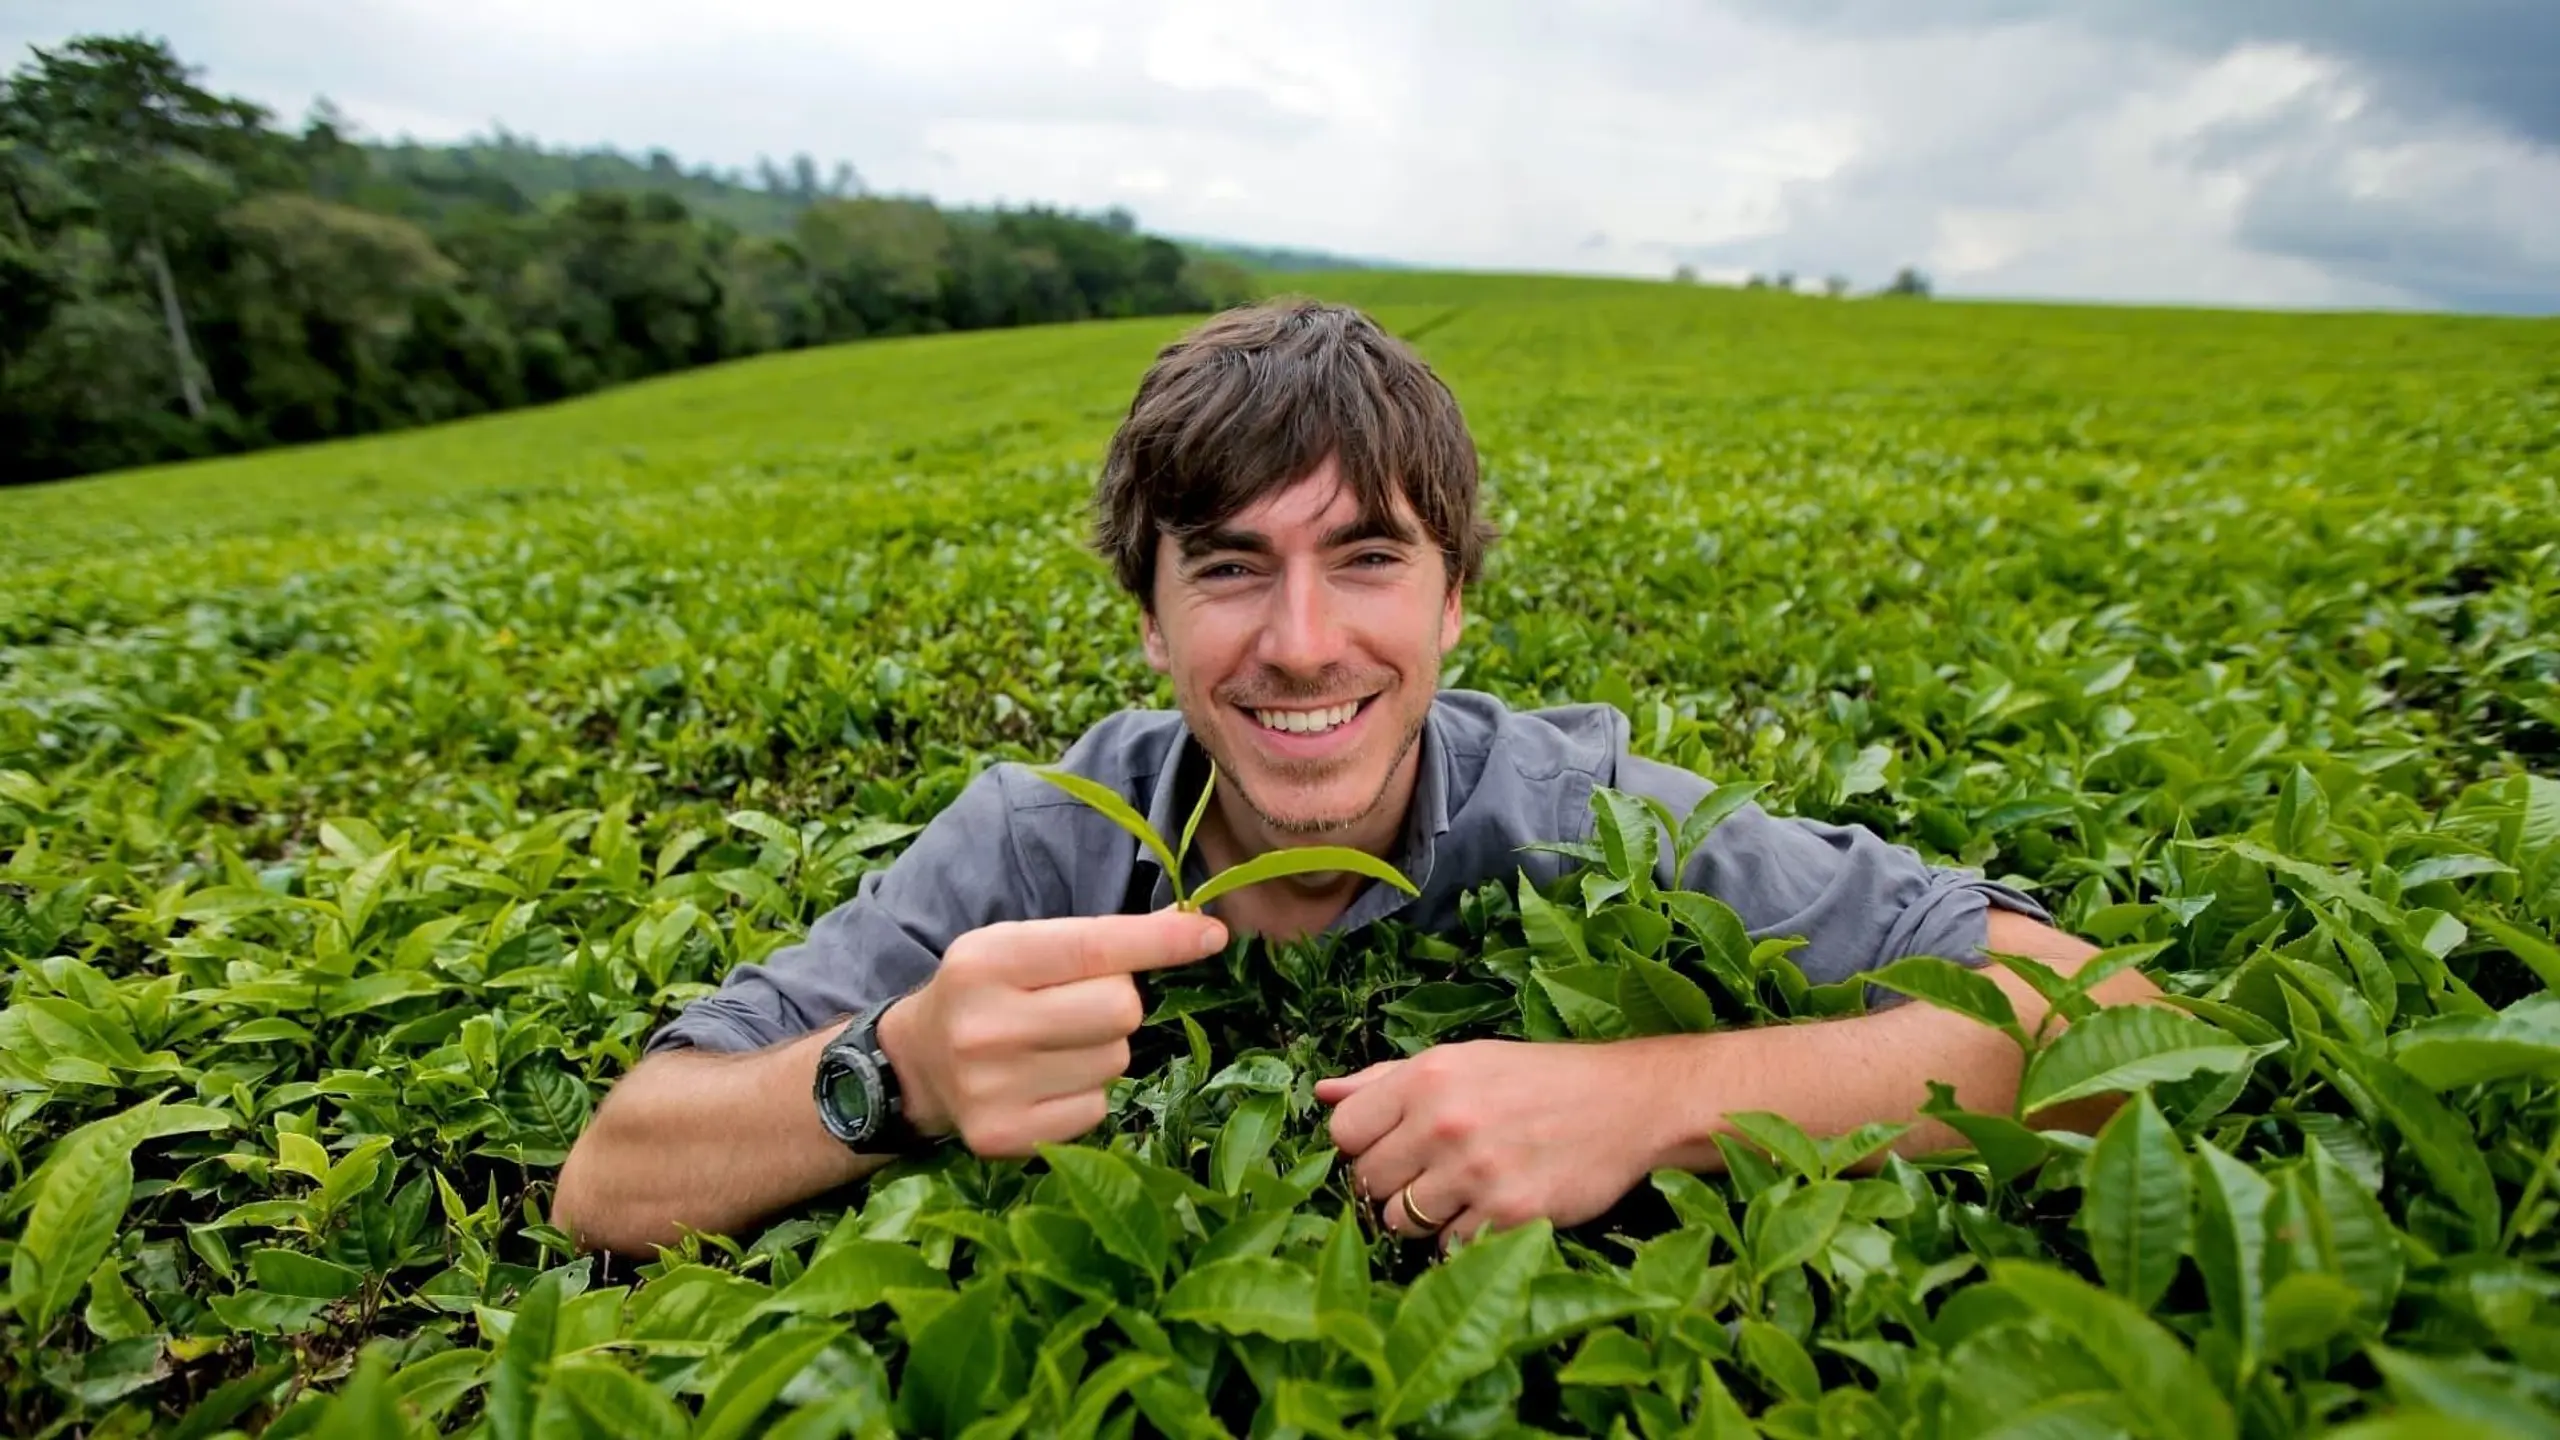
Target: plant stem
[{"x": 2533, "y": 1188}]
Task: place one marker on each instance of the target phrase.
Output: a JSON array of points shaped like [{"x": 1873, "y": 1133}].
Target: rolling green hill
[{"x": 364, "y": 805}]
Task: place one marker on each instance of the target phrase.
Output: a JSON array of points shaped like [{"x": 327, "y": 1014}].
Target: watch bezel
[{"x": 851, "y": 1054}]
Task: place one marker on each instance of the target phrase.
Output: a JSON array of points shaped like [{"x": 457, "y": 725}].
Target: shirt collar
[{"x": 1177, "y": 789}]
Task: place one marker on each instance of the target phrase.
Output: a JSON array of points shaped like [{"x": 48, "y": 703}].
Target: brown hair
[{"x": 1252, "y": 402}]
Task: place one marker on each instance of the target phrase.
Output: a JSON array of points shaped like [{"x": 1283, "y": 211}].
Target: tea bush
[{"x": 366, "y": 806}]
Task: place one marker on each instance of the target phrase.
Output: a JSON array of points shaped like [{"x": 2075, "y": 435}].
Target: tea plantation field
[{"x": 362, "y": 808}]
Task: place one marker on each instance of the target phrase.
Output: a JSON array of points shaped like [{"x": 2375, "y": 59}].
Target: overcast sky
[{"x": 2281, "y": 152}]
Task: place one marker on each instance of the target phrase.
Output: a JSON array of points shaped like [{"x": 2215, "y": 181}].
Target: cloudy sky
[{"x": 2261, "y": 152}]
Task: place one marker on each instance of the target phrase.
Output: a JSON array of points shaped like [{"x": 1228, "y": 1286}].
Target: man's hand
[
  {"x": 1498, "y": 1133},
  {"x": 1011, "y": 1043},
  {"x": 1494, "y": 1132}
]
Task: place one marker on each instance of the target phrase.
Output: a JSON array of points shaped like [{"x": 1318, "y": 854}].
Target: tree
[
  {"x": 324, "y": 297},
  {"x": 1835, "y": 286},
  {"x": 130, "y": 130},
  {"x": 1909, "y": 283},
  {"x": 178, "y": 278},
  {"x": 1685, "y": 275}
]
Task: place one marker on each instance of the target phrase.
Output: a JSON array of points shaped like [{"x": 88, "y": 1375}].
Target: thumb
[{"x": 1338, "y": 1088}]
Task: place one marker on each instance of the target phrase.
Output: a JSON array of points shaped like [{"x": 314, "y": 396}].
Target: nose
[{"x": 1300, "y": 635}]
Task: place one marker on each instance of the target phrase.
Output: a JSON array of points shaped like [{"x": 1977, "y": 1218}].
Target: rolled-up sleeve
[
  {"x": 1858, "y": 901},
  {"x": 963, "y": 871}
]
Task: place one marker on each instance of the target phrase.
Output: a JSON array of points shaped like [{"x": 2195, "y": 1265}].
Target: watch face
[{"x": 850, "y": 1098}]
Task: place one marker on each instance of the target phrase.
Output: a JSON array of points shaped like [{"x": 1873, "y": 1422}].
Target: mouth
[{"x": 1303, "y": 731}]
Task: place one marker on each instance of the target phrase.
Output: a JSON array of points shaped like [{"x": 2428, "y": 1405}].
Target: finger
[
  {"x": 1049, "y": 1074},
  {"x": 1040, "y": 953},
  {"x": 1020, "y": 1133},
  {"x": 1335, "y": 1089},
  {"x": 1082, "y": 1013},
  {"x": 1401, "y": 1219},
  {"x": 1392, "y": 1162},
  {"x": 1466, "y": 1226},
  {"x": 1065, "y": 1117},
  {"x": 1362, "y": 1118}
]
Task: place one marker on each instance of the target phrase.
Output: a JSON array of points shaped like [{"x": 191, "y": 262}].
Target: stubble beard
[
  {"x": 1284, "y": 825},
  {"x": 1288, "y": 770}
]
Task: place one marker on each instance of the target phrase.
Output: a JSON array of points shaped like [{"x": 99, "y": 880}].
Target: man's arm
[
  {"x": 1832, "y": 1078},
  {"x": 711, "y": 1142},
  {"x": 1008, "y": 1046},
  {"x": 1498, "y": 1132}
]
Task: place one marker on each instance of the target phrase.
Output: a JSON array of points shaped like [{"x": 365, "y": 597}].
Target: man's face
[{"x": 1304, "y": 646}]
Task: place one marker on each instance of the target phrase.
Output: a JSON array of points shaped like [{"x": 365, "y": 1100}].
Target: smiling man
[{"x": 1292, "y": 502}]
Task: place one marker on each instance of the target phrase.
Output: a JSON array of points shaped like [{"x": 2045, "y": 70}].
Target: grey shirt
[{"x": 1491, "y": 779}]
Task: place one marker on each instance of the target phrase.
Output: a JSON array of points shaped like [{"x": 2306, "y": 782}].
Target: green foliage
[
  {"x": 184, "y": 279},
  {"x": 364, "y": 807}
]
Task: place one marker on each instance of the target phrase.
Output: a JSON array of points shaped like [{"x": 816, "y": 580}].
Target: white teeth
[{"x": 1307, "y": 722}]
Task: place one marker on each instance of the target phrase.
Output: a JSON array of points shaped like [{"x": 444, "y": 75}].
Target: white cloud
[{"x": 2011, "y": 157}]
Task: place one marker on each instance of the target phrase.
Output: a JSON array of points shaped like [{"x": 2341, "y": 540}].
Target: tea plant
[
  {"x": 1271, "y": 865},
  {"x": 366, "y": 807}
]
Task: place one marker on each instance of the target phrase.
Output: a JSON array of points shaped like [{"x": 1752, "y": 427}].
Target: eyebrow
[{"x": 1220, "y": 538}]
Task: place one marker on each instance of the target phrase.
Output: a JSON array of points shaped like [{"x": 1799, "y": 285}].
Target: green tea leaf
[
  {"x": 2164, "y": 1384},
  {"x": 1564, "y": 1303},
  {"x": 608, "y": 1400},
  {"x": 1245, "y": 1139},
  {"x": 1107, "y": 1192},
  {"x": 2308, "y": 1309},
  {"x": 1782, "y": 1138},
  {"x": 1457, "y": 1320},
  {"x": 2231, "y": 1244},
  {"x": 1658, "y": 1000},
  {"x": 1629, "y": 841},
  {"x": 1716, "y": 807},
  {"x": 2449, "y": 1051},
  {"x": 2008, "y": 1149},
  {"x": 1800, "y": 1227},
  {"x": 1246, "y": 1297},
  {"x": 1778, "y": 1359},
  {"x": 1106, "y": 800},
  {"x": 2135, "y": 1202},
  {"x": 2443, "y": 1142},
  {"x": 1950, "y": 986},
  {"x": 80, "y": 1196},
  {"x": 2434, "y": 1384},
  {"x": 854, "y": 1275},
  {"x": 1199, "y": 807},
  {"x": 757, "y": 1377},
  {"x": 1301, "y": 860},
  {"x": 2124, "y": 1047}
]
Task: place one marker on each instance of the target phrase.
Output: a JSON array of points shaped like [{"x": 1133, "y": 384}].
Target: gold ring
[{"x": 1414, "y": 1213}]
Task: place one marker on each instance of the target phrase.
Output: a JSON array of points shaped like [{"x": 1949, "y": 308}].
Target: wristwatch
[{"x": 859, "y": 1099}]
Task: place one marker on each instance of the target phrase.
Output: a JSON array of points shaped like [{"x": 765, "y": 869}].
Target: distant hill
[
  {"x": 512, "y": 172},
  {"x": 1280, "y": 258}
]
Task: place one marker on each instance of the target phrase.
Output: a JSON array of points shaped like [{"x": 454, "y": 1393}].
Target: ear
[
  {"x": 1453, "y": 618},
  {"x": 1158, "y": 655}
]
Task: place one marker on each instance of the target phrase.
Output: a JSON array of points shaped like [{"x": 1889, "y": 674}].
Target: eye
[
  {"x": 1222, "y": 570},
  {"x": 1376, "y": 559}
]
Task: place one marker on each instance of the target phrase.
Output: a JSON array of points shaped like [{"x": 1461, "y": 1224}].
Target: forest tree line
[{"x": 181, "y": 276}]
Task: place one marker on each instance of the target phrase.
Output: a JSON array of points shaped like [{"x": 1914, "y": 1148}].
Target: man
[{"x": 1292, "y": 500}]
